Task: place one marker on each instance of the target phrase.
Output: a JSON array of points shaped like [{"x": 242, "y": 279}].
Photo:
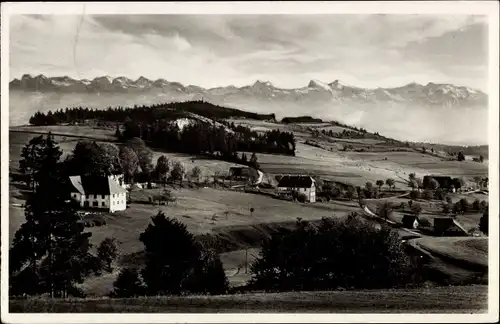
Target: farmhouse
[
  {"x": 447, "y": 226},
  {"x": 410, "y": 221},
  {"x": 99, "y": 192},
  {"x": 239, "y": 173},
  {"x": 246, "y": 174},
  {"x": 302, "y": 184}
]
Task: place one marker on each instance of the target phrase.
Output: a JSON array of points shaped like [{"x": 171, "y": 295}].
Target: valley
[{"x": 223, "y": 211}]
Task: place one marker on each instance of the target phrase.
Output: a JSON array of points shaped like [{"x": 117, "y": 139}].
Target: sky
[{"x": 287, "y": 50}]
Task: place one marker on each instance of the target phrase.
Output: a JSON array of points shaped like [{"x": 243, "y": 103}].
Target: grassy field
[
  {"x": 96, "y": 132},
  {"x": 204, "y": 211},
  {"x": 463, "y": 300},
  {"x": 470, "y": 251}
]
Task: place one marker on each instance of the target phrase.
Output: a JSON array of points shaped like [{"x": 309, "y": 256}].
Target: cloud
[{"x": 213, "y": 50}]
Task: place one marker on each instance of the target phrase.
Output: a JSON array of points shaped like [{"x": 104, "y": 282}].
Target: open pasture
[
  {"x": 84, "y": 131},
  {"x": 421, "y": 164},
  {"x": 472, "y": 251},
  {"x": 453, "y": 299},
  {"x": 205, "y": 210}
]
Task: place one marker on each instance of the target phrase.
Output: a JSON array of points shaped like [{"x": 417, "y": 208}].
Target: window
[
  {"x": 102, "y": 196},
  {"x": 74, "y": 195},
  {"x": 114, "y": 195},
  {"x": 103, "y": 204},
  {"x": 95, "y": 204}
]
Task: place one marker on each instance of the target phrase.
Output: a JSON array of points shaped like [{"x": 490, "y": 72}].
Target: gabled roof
[
  {"x": 96, "y": 185},
  {"x": 296, "y": 182}
]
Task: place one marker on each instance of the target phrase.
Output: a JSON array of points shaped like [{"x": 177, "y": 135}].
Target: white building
[
  {"x": 302, "y": 184},
  {"x": 99, "y": 192}
]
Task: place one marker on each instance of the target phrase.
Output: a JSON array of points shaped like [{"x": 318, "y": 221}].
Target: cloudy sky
[{"x": 215, "y": 50}]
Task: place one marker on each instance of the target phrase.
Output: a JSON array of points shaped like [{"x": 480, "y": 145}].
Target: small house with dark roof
[
  {"x": 447, "y": 226},
  {"x": 99, "y": 192},
  {"x": 410, "y": 221},
  {"x": 302, "y": 184},
  {"x": 239, "y": 173}
]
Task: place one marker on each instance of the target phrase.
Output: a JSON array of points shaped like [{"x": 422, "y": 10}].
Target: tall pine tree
[{"x": 50, "y": 252}]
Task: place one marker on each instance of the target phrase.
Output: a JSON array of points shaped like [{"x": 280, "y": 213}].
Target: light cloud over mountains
[{"x": 288, "y": 50}]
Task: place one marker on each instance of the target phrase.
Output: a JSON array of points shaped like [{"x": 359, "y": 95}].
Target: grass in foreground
[{"x": 466, "y": 299}]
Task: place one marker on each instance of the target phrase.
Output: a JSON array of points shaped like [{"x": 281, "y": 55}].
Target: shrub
[
  {"x": 425, "y": 222},
  {"x": 476, "y": 205},
  {"x": 308, "y": 258},
  {"x": 384, "y": 209},
  {"x": 447, "y": 208},
  {"x": 208, "y": 275},
  {"x": 416, "y": 209},
  {"x": 483, "y": 205},
  {"x": 107, "y": 252},
  {"x": 414, "y": 195},
  {"x": 427, "y": 195},
  {"x": 439, "y": 194},
  {"x": 175, "y": 262},
  {"x": 483, "y": 222},
  {"x": 127, "y": 284},
  {"x": 464, "y": 205},
  {"x": 301, "y": 197}
]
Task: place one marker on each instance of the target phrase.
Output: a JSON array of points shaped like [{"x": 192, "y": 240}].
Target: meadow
[{"x": 453, "y": 299}]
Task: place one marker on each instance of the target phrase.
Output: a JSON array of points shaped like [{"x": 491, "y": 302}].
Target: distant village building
[
  {"x": 410, "y": 221},
  {"x": 302, "y": 184},
  {"x": 99, "y": 192}
]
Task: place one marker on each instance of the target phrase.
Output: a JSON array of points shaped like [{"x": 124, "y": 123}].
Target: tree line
[
  {"x": 143, "y": 113},
  {"x": 203, "y": 138}
]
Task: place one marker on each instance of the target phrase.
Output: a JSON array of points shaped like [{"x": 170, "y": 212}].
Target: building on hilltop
[
  {"x": 99, "y": 192},
  {"x": 302, "y": 184}
]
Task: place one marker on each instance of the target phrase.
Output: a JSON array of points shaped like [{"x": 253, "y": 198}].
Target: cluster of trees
[
  {"x": 200, "y": 137},
  {"x": 463, "y": 206},
  {"x": 175, "y": 264},
  {"x": 330, "y": 191},
  {"x": 300, "y": 119},
  {"x": 50, "y": 252},
  {"x": 479, "y": 159},
  {"x": 143, "y": 113},
  {"x": 348, "y": 253},
  {"x": 361, "y": 133},
  {"x": 430, "y": 183},
  {"x": 386, "y": 208}
]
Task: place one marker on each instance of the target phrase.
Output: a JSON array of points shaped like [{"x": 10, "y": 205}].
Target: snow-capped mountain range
[{"x": 431, "y": 94}]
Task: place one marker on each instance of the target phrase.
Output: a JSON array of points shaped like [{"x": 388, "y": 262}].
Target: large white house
[
  {"x": 302, "y": 184},
  {"x": 99, "y": 192}
]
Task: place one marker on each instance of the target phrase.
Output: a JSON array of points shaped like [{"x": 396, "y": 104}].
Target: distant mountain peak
[
  {"x": 318, "y": 85},
  {"x": 338, "y": 84},
  {"x": 262, "y": 83},
  {"x": 316, "y": 92}
]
